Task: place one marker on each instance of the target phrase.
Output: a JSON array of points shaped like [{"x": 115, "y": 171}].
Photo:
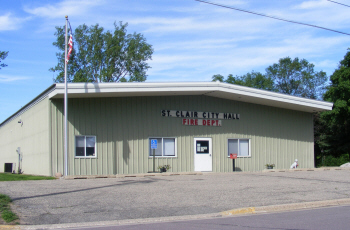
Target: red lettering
[
  {"x": 212, "y": 122},
  {"x": 196, "y": 122},
  {"x": 208, "y": 122},
  {"x": 204, "y": 122},
  {"x": 217, "y": 122},
  {"x": 192, "y": 121},
  {"x": 184, "y": 121}
]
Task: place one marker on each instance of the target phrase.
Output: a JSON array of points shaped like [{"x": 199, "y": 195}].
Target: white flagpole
[{"x": 65, "y": 104}]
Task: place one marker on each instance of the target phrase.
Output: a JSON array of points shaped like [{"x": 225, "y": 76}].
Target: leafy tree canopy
[
  {"x": 253, "y": 79},
  {"x": 103, "y": 56},
  {"x": 335, "y": 139},
  {"x": 294, "y": 77},
  {"x": 3, "y": 55},
  {"x": 297, "y": 77}
]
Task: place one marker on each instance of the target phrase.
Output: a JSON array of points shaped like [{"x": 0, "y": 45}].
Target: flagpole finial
[{"x": 66, "y": 16}]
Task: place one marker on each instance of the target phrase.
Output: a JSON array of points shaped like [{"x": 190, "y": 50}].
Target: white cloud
[
  {"x": 326, "y": 64},
  {"x": 9, "y": 22},
  {"x": 321, "y": 13},
  {"x": 8, "y": 78},
  {"x": 201, "y": 59},
  {"x": 231, "y": 23},
  {"x": 314, "y": 4},
  {"x": 63, "y": 8},
  {"x": 203, "y": 44}
]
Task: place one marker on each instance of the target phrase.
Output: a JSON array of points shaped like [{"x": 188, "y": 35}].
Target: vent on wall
[{"x": 9, "y": 167}]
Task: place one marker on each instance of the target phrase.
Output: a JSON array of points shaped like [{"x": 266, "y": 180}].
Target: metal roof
[{"x": 212, "y": 89}]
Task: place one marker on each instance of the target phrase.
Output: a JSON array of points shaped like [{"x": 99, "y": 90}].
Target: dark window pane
[
  {"x": 79, "y": 151},
  {"x": 202, "y": 147},
  {"x": 90, "y": 146},
  {"x": 79, "y": 146},
  {"x": 90, "y": 151}
]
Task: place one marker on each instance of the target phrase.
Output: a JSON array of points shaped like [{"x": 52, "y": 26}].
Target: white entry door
[{"x": 203, "y": 160}]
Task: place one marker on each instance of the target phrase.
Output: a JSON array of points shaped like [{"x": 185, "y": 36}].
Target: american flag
[{"x": 70, "y": 44}]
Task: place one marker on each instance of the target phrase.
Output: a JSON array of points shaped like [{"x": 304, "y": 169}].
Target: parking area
[{"x": 107, "y": 199}]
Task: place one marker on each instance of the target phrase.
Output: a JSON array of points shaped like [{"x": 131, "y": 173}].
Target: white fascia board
[
  {"x": 74, "y": 88},
  {"x": 215, "y": 89},
  {"x": 272, "y": 96}
]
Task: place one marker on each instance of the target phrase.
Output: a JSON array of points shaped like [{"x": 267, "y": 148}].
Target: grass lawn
[
  {"x": 15, "y": 177},
  {"x": 6, "y": 214}
]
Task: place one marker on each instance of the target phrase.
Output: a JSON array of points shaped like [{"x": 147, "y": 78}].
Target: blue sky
[{"x": 192, "y": 41}]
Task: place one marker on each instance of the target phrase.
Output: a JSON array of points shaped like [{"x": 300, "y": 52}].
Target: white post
[
  {"x": 19, "y": 159},
  {"x": 65, "y": 103}
]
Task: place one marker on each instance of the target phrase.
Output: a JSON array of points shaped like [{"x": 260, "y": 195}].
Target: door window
[{"x": 202, "y": 147}]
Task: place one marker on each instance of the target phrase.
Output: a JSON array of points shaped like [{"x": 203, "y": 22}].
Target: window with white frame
[
  {"x": 85, "y": 146},
  {"x": 166, "y": 147},
  {"x": 239, "y": 146}
]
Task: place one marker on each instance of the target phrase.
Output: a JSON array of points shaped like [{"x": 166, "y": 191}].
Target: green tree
[
  {"x": 297, "y": 77},
  {"x": 294, "y": 77},
  {"x": 253, "y": 79},
  {"x": 3, "y": 55},
  {"x": 103, "y": 56},
  {"x": 335, "y": 139}
]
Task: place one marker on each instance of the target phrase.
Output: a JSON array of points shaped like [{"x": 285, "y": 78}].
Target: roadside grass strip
[
  {"x": 18, "y": 177},
  {"x": 6, "y": 214}
]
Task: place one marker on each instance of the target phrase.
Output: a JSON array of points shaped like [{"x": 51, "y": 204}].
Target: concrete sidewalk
[{"x": 173, "y": 196}]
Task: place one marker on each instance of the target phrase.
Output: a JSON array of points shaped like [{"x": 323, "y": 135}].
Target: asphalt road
[
  {"x": 315, "y": 219},
  {"x": 91, "y": 200}
]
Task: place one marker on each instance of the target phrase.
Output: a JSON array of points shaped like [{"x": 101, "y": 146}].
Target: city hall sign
[{"x": 200, "y": 118}]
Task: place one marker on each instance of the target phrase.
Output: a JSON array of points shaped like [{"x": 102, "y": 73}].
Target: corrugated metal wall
[
  {"x": 122, "y": 127},
  {"x": 32, "y": 136}
]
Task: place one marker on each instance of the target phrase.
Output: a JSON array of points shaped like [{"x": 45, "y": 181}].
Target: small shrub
[
  {"x": 332, "y": 161},
  {"x": 8, "y": 216}
]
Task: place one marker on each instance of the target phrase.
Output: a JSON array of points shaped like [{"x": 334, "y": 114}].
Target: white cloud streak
[
  {"x": 9, "y": 78},
  {"x": 78, "y": 7},
  {"x": 314, "y": 4},
  {"x": 9, "y": 22}
]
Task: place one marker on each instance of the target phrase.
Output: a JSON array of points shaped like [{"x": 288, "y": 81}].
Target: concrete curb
[
  {"x": 10, "y": 227},
  {"x": 233, "y": 212},
  {"x": 286, "y": 207},
  {"x": 122, "y": 222},
  {"x": 301, "y": 206},
  {"x": 239, "y": 211}
]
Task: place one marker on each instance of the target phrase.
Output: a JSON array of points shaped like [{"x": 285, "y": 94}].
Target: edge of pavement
[
  {"x": 287, "y": 207},
  {"x": 155, "y": 174},
  {"x": 228, "y": 213}
]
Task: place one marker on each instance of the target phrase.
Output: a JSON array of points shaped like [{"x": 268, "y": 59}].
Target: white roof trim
[{"x": 214, "y": 89}]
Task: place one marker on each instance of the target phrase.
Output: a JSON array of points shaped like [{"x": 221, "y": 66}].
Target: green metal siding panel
[
  {"x": 122, "y": 127},
  {"x": 32, "y": 136}
]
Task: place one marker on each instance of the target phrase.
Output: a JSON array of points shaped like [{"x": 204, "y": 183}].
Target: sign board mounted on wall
[
  {"x": 154, "y": 143},
  {"x": 201, "y": 122},
  {"x": 202, "y": 115},
  {"x": 195, "y": 118}
]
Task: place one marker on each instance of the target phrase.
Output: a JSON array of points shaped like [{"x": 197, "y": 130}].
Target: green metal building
[{"x": 196, "y": 126}]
